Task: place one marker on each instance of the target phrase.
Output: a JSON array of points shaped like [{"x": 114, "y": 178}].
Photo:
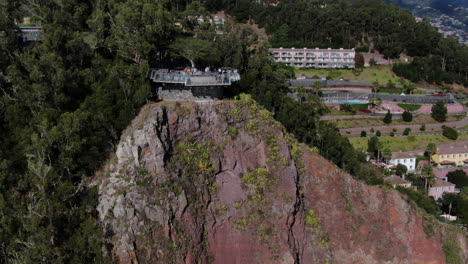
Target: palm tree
[
  {"x": 431, "y": 149},
  {"x": 375, "y": 87},
  {"x": 379, "y": 148},
  {"x": 428, "y": 173}
]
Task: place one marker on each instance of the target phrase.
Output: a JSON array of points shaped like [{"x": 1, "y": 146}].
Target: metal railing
[{"x": 197, "y": 78}]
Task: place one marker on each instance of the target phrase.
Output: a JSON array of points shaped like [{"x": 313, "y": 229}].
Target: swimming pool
[{"x": 349, "y": 102}]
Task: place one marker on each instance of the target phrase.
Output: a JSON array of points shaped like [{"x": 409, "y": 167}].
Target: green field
[
  {"x": 368, "y": 123},
  {"x": 410, "y": 107},
  {"x": 407, "y": 143},
  {"x": 382, "y": 74}
]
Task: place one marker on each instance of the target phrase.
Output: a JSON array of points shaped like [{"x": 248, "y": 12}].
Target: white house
[{"x": 403, "y": 158}]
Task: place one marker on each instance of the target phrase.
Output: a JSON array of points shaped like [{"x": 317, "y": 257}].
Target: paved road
[{"x": 400, "y": 128}]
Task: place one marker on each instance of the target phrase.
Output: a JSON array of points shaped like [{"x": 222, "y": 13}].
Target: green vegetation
[
  {"x": 451, "y": 250},
  {"x": 65, "y": 101},
  {"x": 407, "y": 131},
  {"x": 450, "y": 133},
  {"x": 458, "y": 177},
  {"x": 422, "y": 200},
  {"x": 410, "y": 107},
  {"x": 368, "y": 74},
  {"x": 401, "y": 170},
  {"x": 311, "y": 220},
  {"x": 406, "y": 143},
  {"x": 407, "y": 116},
  {"x": 233, "y": 131},
  {"x": 439, "y": 111},
  {"x": 388, "y": 118},
  {"x": 372, "y": 123},
  {"x": 383, "y": 26}
]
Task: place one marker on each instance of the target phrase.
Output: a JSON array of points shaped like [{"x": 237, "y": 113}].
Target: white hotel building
[{"x": 315, "y": 58}]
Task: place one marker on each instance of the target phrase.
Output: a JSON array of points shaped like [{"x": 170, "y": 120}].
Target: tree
[
  {"x": 379, "y": 147},
  {"x": 431, "y": 149},
  {"x": 423, "y": 127},
  {"x": 407, "y": 116},
  {"x": 280, "y": 38},
  {"x": 372, "y": 145},
  {"x": 378, "y": 133},
  {"x": 458, "y": 177},
  {"x": 428, "y": 174},
  {"x": 439, "y": 111},
  {"x": 363, "y": 133},
  {"x": 387, "y": 154},
  {"x": 346, "y": 108},
  {"x": 450, "y": 133},
  {"x": 409, "y": 86},
  {"x": 194, "y": 49},
  {"x": 401, "y": 170},
  {"x": 407, "y": 131},
  {"x": 388, "y": 118},
  {"x": 359, "y": 60},
  {"x": 375, "y": 88}
]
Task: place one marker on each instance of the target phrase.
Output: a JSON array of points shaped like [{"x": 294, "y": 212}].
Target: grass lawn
[
  {"x": 407, "y": 143},
  {"x": 382, "y": 74},
  {"x": 368, "y": 123},
  {"x": 410, "y": 107},
  {"x": 336, "y": 112}
]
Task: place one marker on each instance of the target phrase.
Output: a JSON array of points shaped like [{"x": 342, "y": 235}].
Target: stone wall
[{"x": 177, "y": 92}]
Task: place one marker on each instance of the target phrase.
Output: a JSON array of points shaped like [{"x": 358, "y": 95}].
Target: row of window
[
  {"x": 406, "y": 160},
  {"x": 288, "y": 54},
  {"x": 454, "y": 156}
]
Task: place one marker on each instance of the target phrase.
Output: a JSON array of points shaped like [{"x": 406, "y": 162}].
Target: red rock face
[
  {"x": 222, "y": 183},
  {"x": 365, "y": 224}
]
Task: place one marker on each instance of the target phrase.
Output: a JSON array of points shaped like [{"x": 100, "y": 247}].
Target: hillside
[{"x": 221, "y": 182}]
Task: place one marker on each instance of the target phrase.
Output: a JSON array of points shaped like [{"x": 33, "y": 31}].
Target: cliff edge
[{"x": 221, "y": 182}]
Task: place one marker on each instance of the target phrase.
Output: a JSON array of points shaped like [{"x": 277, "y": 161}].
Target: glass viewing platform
[{"x": 194, "y": 78}]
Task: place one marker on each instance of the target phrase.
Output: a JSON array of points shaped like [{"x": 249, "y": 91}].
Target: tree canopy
[
  {"x": 194, "y": 49},
  {"x": 439, "y": 111}
]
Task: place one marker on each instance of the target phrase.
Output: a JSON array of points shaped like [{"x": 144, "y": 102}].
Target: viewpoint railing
[{"x": 194, "y": 78}]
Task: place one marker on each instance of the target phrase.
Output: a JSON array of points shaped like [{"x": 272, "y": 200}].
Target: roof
[
  {"x": 446, "y": 162},
  {"x": 422, "y": 163},
  {"x": 441, "y": 173},
  {"x": 311, "y": 50},
  {"x": 401, "y": 155},
  {"x": 396, "y": 180},
  {"x": 453, "y": 148},
  {"x": 441, "y": 183}
]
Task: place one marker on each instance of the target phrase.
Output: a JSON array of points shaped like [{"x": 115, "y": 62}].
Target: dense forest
[
  {"x": 65, "y": 99},
  {"x": 365, "y": 25}
]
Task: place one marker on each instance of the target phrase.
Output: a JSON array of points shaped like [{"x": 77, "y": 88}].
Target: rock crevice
[{"x": 221, "y": 182}]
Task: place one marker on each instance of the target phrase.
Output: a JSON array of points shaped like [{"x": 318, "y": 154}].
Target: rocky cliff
[{"x": 221, "y": 182}]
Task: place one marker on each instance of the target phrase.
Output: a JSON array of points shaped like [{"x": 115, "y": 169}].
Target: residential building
[
  {"x": 315, "y": 58},
  {"x": 441, "y": 173},
  {"x": 440, "y": 187},
  {"x": 395, "y": 181},
  {"x": 453, "y": 154},
  {"x": 403, "y": 158}
]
